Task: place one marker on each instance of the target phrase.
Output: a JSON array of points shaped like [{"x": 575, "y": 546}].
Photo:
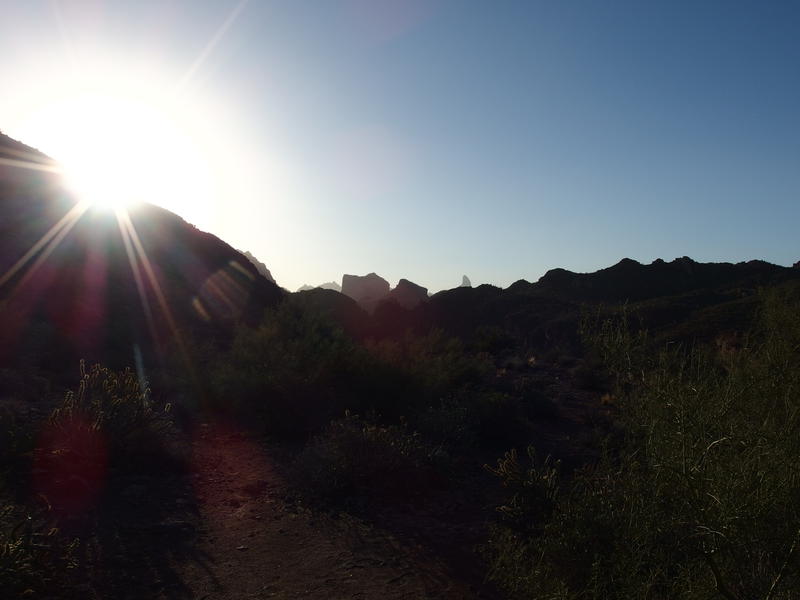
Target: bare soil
[{"x": 256, "y": 543}]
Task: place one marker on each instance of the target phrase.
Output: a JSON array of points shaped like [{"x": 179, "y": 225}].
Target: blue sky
[{"x": 432, "y": 138}]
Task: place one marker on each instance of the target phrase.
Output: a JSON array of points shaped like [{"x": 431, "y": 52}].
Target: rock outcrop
[
  {"x": 465, "y": 282},
  {"x": 408, "y": 294},
  {"x": 367, "y": 290},
  {"x": 330, "y": 285},
  {"x": 260, "y": 266}
]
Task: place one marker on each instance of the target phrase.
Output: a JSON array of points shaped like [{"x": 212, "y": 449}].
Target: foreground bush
[
  {"x": 355, "y": 458},
  {"x": 292, "y": 374},
  {"x": 110, "y": 425},
  {"x": 34, "y": 558},
  {"x": 297, "y": 371},
  {"x": 701, "y": 500}
]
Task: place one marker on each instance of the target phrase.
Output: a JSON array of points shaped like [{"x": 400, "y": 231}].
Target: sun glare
[
  {"x": 128, "y": 131},
  {"x": 119, "y": 151}
]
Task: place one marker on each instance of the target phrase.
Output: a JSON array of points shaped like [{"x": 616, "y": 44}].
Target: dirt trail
[{"x": 256, "y": 545}]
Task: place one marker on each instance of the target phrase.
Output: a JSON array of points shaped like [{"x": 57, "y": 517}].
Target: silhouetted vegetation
[
  {"x": 35, "y": 558},
  {"x": 700, "y": 499},
  {"x": 646, "y": 416},
  {"x": 355, "y": 459}
]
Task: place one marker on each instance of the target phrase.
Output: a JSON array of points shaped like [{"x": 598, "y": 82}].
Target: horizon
[{"x": 431, "y": 139}]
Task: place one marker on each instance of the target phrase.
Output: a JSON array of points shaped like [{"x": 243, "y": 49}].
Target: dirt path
[{"x": 253, "y": 544}]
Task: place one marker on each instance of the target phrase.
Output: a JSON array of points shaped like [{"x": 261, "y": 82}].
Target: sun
[
  {"x": 130, "y": 130},
  {"x": 97, "y": 160},
  {"x": 118, "y": 151}
]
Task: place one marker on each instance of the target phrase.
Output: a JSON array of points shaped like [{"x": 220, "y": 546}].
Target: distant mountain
[
  {"x": 331, "y": 285},
  {"x": 681, "y": 299},
  {"x": 84, "y": 284},
  {"x": 367, "y": 290},
  {"x": 677, "y": 300},
  {"x": 371, "y": 290},
  {"x": 336, "y": 306},
  {"x": 631, "y": 281},
  {"x": 408, "y": 294},
  {"x": 260, "y": 266}
]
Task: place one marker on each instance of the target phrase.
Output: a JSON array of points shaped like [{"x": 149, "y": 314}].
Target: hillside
[
  {"x": 680, "y": 300},
  {"x": 78, "y": 283}
]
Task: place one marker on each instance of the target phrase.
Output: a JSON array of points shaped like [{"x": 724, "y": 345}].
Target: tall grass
[{"x": 700, "y": 500}]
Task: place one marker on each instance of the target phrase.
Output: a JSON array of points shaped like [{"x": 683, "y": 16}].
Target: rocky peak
[
  {"x": 408, "y": 294},
  {"x": 367, "y": 290},
  {"x": 260, "y": 266}
]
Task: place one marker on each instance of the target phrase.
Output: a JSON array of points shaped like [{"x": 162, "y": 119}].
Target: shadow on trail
[{"x": 134, "y": 543}]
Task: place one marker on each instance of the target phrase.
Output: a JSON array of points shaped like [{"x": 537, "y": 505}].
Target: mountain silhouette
[
  {"x": 330, "y": 285},
  {"x": 79, "y": 282},
  {"x": 629, "y": 280},
  {"x": 367, "y": 290},
  {"x": 408, "y": 294},
  {"x": 84, "y": 283},
  {"x": 260, "y": 266}
]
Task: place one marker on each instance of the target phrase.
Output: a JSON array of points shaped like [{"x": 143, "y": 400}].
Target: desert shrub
[
  {"x": 293, "y": 373},
  {"x": 494, "y": 340},
  {"x": 700, "y": 499},
  {"x": 449, "y": 424},
  {"x": 595, "y": 536},
  {"x": 356, "y": 458},
  {"x": 297, "y": 371},
  {"x": 468, "y": 419},
  {"x": 439, "y": 364},
  {"x": 35, "y": 560},
  {"x": 117, "y": 406},
  {"x": 109, "y": 424}
]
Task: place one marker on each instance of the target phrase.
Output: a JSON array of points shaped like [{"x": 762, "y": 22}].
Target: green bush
[
  {"x": 108, "y": 426},
  {"x": 293, "y": 373},
  {"x": 355, "y": 458},
  {"x": 297, "y": 371},
  {"x": 438, "y": 364},
  {"x": 702, "y": 497},
  {"x": 117, "y": 406}
]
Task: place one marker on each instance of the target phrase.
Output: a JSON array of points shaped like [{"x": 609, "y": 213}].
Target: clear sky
[{"x": 428, "y": 139}]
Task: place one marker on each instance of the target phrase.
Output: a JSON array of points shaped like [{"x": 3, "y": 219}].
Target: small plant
[
  {"x": 534, "y": 491},
  {"x": 35, "y": 559},
  {"x": 356, "y": 458}
]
